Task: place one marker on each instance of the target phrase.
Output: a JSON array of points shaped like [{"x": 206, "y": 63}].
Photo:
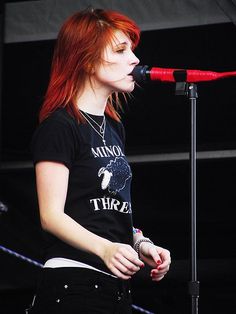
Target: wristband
[
  {"x": 136, "y": 230},
  {"x": 138, "y": 243}
]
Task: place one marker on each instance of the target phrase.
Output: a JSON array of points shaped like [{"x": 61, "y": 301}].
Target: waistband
[
  {"x": 60, "y": 262},
  {"x": 82, "y": 276}
]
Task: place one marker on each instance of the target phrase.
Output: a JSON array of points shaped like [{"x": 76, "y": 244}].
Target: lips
[{"x": 131, "y": 76}]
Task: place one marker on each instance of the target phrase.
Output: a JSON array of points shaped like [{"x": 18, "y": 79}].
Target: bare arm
[{"x": 52, "y": 184}]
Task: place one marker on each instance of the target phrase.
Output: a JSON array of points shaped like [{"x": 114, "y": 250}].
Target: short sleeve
[{"x": 54, "y": 141}]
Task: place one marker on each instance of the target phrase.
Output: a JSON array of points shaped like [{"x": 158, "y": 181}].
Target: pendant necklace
[{"x": 101, "y": 128}]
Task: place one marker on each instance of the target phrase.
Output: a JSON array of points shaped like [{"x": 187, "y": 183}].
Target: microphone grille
[{"x": 140, "y": 72}]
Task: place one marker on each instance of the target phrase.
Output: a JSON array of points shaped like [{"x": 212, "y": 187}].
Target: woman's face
[{"x": 119, "y": 61}]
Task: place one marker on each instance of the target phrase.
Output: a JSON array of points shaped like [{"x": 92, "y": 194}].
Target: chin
[{"x": 128, "y": 88}]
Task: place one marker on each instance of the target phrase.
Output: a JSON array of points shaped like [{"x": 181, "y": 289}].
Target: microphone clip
[{"x": 186, "y": 89}]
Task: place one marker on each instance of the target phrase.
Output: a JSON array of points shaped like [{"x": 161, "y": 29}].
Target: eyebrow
[{"x": 124, "y": 43}]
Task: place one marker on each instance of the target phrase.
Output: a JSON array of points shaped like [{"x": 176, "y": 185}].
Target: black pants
[{"x": 78, "y": 290}]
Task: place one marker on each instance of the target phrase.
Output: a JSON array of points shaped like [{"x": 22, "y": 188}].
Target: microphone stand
[
  {"x": 2, "y": 11},
  {"x": 190, "y": 90}
]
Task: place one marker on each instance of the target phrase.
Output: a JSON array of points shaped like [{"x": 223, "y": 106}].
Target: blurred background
[{"x": 175, "y": 34}]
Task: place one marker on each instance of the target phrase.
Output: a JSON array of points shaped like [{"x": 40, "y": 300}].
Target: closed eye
[{"x": 120, "y": 51}]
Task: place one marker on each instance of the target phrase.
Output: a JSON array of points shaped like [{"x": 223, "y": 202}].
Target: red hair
[{"x": 79, "y": 47}]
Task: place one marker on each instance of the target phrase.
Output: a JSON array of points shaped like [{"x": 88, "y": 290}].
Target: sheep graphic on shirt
[{"x": 115, "y": 175}]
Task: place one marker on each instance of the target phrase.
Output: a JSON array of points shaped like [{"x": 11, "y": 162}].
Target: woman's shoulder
[
  {"x": 55, "y": 139},
  {"x": 60, "y": 116},
  {"x": 59, "y": 123}
]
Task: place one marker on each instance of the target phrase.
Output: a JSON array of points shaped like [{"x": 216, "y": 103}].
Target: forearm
[
  {"x": 68, "y": 230},
  {"x": 120, "y": 258}
]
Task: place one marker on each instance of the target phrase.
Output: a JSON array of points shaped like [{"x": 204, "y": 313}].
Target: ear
[{"x": 90, "y": 69}]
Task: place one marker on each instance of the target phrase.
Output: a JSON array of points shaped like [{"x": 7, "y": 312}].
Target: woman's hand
[
  {"x": 121, "y": 259},
  {"x": 156, "y": 257}
]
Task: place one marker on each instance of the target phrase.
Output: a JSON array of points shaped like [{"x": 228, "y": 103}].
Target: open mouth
[{"x": 131, "y": 74}]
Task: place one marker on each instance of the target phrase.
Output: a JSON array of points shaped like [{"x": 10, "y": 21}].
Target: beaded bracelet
[{"x": 138, "y": 243}]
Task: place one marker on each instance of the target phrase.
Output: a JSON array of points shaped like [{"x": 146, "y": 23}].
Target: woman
[{"x": 82, "y": 176}]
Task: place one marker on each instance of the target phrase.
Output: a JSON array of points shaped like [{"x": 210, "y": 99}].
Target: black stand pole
[
  {"x": 2, "y": 11},
  {"x": 190, "y": 90}
]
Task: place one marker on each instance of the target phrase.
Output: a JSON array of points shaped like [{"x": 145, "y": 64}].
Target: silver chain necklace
[{"x": 102, "y": 127}]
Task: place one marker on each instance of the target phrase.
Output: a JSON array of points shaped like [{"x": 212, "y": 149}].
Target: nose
[{"x": 134, "y": 59}]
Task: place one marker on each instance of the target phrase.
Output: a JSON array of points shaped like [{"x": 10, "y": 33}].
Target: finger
[
  {"x": 155, "y": 255},
  {"x": 130, "y": 255},
  {"x": 165, "y": 256},
  {"x": 156, "y": 272},
  {"x": 157, "y": 278},
  {"x": 124, "y": 270},
  {"x": 134, "y": 256},
  {"x": 125, "y": 265},
  {"x": 157, "y": 275},
  {"x": 165, "y": 263},
  {"x": 119, "y": 274},
  {"x": 163, "y": 267}
]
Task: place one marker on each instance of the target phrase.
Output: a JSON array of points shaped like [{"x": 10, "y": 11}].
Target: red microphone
[{"x": 146, "y": 73}]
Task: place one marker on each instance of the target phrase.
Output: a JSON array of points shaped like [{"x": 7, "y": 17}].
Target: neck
[{"x": 92, "y": 100}]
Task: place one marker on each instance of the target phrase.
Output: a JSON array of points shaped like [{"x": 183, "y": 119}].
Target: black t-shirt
[{"x": 98, "y": 194}]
